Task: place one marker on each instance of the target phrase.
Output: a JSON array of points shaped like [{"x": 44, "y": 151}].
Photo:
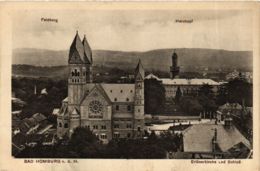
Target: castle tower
[
  {"x": 139, "y": 100},
  {"x": 174, "y": 69}
]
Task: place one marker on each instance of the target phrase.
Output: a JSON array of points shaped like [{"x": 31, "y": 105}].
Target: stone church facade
[{"x": 109, "y": 110}]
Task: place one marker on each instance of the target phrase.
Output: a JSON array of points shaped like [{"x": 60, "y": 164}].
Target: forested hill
[{"x": 159, "y": 59}]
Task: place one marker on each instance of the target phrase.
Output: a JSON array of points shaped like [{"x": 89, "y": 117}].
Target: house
[
  {"x": 48, "y": 139},
  {"x": 55, "y": 111},
  {"x": 44, "y": 91},
  {"x": 30, "y": 125},
  {"x": 215, "y": 141}
]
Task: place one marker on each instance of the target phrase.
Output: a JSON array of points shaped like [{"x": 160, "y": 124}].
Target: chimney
[{"x": 214, "y": 140}]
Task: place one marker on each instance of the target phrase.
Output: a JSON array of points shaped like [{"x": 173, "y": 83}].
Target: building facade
[
  {"x": 109, "y": 110},
  {"x": 187, "y": 86}
]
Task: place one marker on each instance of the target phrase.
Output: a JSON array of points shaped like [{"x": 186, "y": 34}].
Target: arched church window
[
  {"x": 115, "y": 99},
  {"x": 72, "y": 74},
  {"x": 127, "y": 99}
]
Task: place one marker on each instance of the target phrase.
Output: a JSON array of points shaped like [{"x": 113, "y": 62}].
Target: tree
[
  {"x": 235, "y": 91},
  {"x": 154, "y": 94},
  {"x": 238, "y": 89},
  {"x": 206, "y": 98},
  {"x": 178, "y": 95},
  {"x": 206, "y": 90},
  {"x": 190, "y": 105}
]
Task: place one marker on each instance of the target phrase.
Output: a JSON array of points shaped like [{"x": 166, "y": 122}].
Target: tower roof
[
  {"x": 174, "y": 55},
  {"x": 76, "y": 53},
  {"x": 87, "y": 51},
  {"x": 139, "y": 69}
]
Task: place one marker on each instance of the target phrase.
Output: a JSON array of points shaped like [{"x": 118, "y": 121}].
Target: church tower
[
  {"x": 174, "y": 69},
  {"x": 139, "y": 100},
  {"x": 80, "y": 61}
]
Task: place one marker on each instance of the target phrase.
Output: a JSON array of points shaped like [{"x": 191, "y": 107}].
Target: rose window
[{"x": 95, "y": 107}]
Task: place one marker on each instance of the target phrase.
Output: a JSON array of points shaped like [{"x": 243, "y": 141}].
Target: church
[{"x": 110, "y": 111}]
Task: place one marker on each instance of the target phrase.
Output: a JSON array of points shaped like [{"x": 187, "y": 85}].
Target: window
[
  {"x": 131, "y": 91},
  {"x": 116, "y": 126},
  {"x": 103, "y": 127},
  {"x": 66, "y": 125},
  {"x": 60, "y": 125},
  {"x": 128, "y": 108},
  {"x": 115, "y": 99},
  {"x": 127, "y": 99},
  {"x": 128, "y": 135},
  {"x": 121, "y": 91},
  {"x": 103, "y": 136},
  {"x": 95, "y": 127},
  {"x": 138, "y": 128},
  {"x": 111, "y": 91},
  {"x": 116, "y": 135},
  {"x": 128, "y": 125},
  {"x": 138, "y": 110},
  {"x": 117, "y": 107}
]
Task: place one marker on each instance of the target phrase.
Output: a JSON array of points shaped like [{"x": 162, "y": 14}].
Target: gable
[{"x": 96, "y": 93}]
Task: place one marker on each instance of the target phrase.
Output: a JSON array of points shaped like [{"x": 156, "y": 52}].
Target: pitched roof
[
  {"x": 151, "y": 76},
  {"x": 198, "y": 138},
  {"x": 39, "y": 117},
  {"x": 140, "y": 69},
  {"x": 65, "y": 100},
  {"x": 76, "y": 53},
  {"x": 120, "y": 92},
  {"x": 56, "y": 111},
  {"x": 75, "y": 112},
  {"x": 183, "y": 81},
  {"x": 87, "y": 51},
  {"x": 231, "y": 106}
]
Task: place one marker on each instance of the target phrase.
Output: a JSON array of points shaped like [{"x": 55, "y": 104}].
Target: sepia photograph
[
  {"x": 144, "y": 84},
  {"x": 138, "y": 86}
]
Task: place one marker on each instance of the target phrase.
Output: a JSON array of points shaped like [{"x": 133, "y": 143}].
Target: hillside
[{"x": 160, "y": 59}]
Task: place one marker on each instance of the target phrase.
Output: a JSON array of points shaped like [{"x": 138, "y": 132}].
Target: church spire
[
  {"x": 140, "y": 69},
  {"x": 87, "y": 51},
  {"x": 76, "y": 53}
]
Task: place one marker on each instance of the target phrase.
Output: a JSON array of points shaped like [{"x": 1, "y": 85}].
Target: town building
[
  {"x": 187, "y": 86},
  {"x": 109, "y": 110},
  {"x": 215, "y": 140}
]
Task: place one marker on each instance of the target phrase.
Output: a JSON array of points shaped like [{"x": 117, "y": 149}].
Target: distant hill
[{"x": 159, "y": 59}]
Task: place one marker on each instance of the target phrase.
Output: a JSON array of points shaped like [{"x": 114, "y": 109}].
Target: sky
[{"x": 134, "y": 30}]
